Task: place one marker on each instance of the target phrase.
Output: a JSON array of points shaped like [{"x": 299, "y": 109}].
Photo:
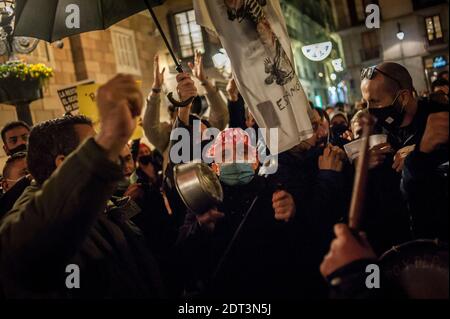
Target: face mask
[
  {"x": 390, "y": 117},
  {"x": 233, "y": 174},
  {"x": 123, "y": 185},
  {"x": 18, "y": 149},
  {"x": 339, "y": 129}
]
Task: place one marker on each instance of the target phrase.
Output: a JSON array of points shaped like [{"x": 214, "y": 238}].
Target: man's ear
[
  {"x": 5, "y": 149},
  {"x": 406, "y": 97},
  {"x": 4, "y": 185},
  {"x": 59, "y": 160}
]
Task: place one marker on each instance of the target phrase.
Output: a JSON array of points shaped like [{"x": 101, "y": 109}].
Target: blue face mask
[{"x": 233, "y": 174}]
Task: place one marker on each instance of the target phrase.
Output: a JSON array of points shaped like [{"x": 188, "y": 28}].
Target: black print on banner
[
  {"x": 277, "y": 73},
  {"x": 240, "y": 10},
  {"x": 278, "y": 67}
]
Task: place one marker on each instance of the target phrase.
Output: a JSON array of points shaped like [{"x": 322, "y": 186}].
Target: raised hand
[
  {"x": 119, "y": 103},
  {"x": 232, "y": 90},
  {"x": 186, "y": 89},
  {"x": 158, "y": 76},
  {"x": 197, "y": 67}
]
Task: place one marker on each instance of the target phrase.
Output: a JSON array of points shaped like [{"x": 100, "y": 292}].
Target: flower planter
[{"x": 15, "y": 91}]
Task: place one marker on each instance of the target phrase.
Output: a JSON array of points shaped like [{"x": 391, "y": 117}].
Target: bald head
[
  {"x": 390, "y": 85},
  {"x": 388, "y": 80},
  {"x": 398, "y": 72}
]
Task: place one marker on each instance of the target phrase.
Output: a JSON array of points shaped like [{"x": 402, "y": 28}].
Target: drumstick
[{"x": 360, "y": 182}]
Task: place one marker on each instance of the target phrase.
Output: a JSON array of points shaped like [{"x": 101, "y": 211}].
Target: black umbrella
[{"x": 52, "y": 20}]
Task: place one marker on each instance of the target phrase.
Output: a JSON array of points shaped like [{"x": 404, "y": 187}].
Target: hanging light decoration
[{"x": 318, "y": 51}]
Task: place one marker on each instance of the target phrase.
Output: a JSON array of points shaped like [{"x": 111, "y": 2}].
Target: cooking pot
[{"x": 198, "y": 187}]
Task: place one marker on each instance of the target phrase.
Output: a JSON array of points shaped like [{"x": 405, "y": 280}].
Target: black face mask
[
  {"x": 339, "y": 129},
  {"x": 389, "y": 117},
  {"x": 19, "y": 149}
]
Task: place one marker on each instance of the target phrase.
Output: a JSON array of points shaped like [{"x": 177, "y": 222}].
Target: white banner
[{"x": 255, "y": 37}]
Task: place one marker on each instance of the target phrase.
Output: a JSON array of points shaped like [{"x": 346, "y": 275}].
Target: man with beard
[
  {"x": 389, "y": 93},
  {"x": 66, "y": 217},
  {"x": 15, "y": 137}
]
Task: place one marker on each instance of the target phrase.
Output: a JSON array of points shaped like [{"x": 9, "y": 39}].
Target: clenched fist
[
  {"x": 186, "y": 89},
  {"x": 119, "y": 103},
  {"x": 186, "y": 86},
  {"x": 436, "y": 132},
  {"x": 345, "y": 249},
  {"x": 208, "y": 220},
  {"x": 332, "y": 159},
  {"x": 284, "y": 206}
]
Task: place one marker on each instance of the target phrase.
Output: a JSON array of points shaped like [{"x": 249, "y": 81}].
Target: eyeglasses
[{"x": 370, "y": 72}]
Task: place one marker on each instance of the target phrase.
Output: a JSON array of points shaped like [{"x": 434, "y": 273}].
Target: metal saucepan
[{"x": 198, "y": 187}]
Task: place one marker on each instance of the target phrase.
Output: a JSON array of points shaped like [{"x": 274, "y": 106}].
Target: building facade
[
  {"x": 310, "y": 22},
  {"x": 413, "y": 33},
  {"x": 130, "y": 46}
]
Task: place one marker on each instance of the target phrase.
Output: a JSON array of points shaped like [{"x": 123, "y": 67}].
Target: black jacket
[
  {"x": 321, "y": 198},
  {"x": 8, "y": 200},
  {"x": 261, "y": 263},
  {"x": 425, "y": 187},
  {"x": 69, "y": 221}
]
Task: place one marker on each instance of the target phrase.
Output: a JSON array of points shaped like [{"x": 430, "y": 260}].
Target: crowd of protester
[{"x": 108, "y": 205}]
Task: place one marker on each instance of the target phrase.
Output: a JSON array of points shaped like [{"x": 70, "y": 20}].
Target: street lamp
[{"x": 400, "y": 33}]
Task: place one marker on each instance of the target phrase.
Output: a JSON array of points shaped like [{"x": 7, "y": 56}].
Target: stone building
[
  {"x": 127, "y": 47},
  {"x": 414, "y": 33}
]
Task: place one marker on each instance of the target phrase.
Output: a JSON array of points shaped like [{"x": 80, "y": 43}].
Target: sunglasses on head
[{"x": 370, "y": 72}]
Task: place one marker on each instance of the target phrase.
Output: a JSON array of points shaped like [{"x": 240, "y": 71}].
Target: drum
[{"x": 417, "y": 269}]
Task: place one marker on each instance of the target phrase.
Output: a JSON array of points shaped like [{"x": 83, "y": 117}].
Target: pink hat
[{"x": 232, "y": 144}]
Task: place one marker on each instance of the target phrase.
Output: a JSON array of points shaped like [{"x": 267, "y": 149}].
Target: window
[
  {"x": 125, "y": 51},
  {"x": 370, "y": 46},
  {"x": 189, "y": 34},
  {"x": 434, "y": 30},
  {"x": 422, "y": 4}
]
